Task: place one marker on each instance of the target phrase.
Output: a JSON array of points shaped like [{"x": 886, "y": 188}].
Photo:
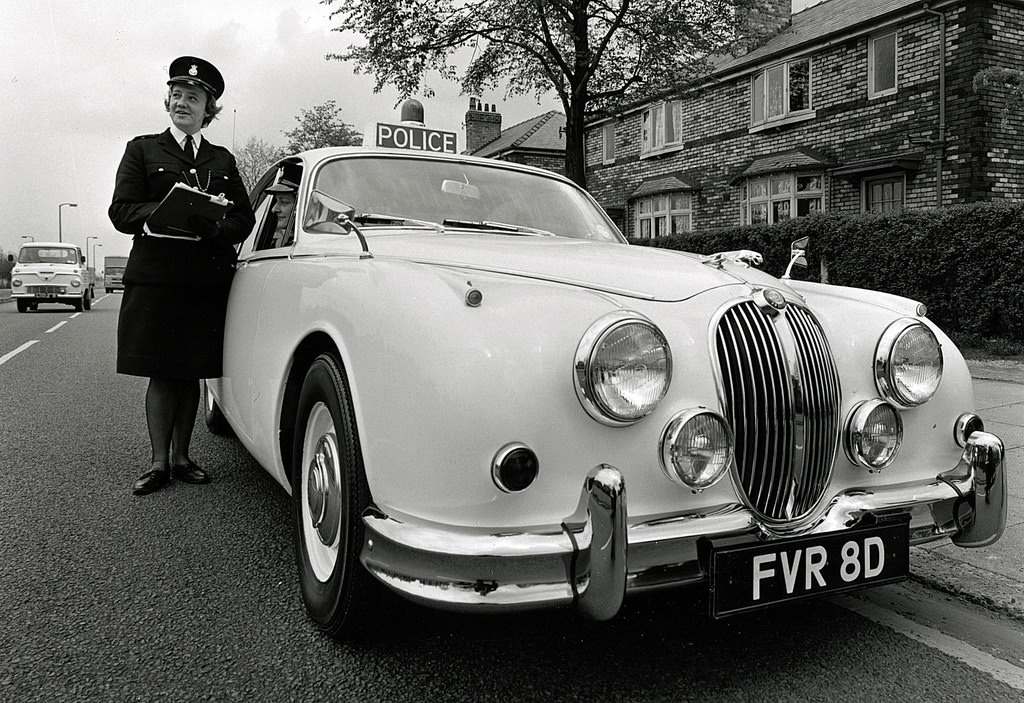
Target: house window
[
  {"x": 779, "y": 197},
  {"x": 882, "y": 65},
  {"x": 664, "y": 214},
  {"x": 781, "y": 91},
  {"x": 661, "y": 126},
  {"x": 608, "y": 143},
  {"x": 884, "y": 194}
]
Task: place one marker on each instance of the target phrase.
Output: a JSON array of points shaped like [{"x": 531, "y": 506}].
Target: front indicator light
[
  {"x": 908, "y": 363},
  {"x": 874, "y": 433},
  {"x": 622, "y": 369},
  {"x": 696, "y": 449},
  {"x": 966, "y": 425}
]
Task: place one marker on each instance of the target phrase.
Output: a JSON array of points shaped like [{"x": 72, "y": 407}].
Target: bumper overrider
[{"x": 595, "y": 556}]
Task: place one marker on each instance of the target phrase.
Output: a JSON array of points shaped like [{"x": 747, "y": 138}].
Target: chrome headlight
[
  {"x": 16, "y": 282},
  {"x": 696, "y": 449},
  {"x": 75, "y": 283},
  {"x": 908, "y": 363},
  {"x": 873, "y": 435},
  {"x": 622, "y": 368}
]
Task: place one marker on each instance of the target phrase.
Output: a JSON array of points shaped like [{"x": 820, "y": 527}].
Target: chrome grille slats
[
  {"x": 780, "y": 392},
  {"x": 821, "y": 406}
]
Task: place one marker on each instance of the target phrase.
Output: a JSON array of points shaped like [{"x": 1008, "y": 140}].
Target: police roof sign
[{"x": 405, "y": 136}]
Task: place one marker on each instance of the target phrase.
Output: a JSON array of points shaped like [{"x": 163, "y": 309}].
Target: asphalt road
[{"x": 191, "y": 593}]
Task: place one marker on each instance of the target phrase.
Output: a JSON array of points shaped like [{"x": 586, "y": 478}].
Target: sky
[{"x": 78, "y": 80}]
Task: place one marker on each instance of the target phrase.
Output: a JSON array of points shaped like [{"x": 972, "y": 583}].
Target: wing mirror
[
  {"x": 797, "y": 255},
  {"x": 330, "y": 215}
]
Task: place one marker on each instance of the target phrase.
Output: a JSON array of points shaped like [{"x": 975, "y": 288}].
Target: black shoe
[
  {"x": 150, "y": 481},
  {"x": 190, "y": 473}
]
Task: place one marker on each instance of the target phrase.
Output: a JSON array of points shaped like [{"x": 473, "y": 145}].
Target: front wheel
[
  {"x": 329, "y": 495},
  {"x": 22, "y": 305},
  {"x": 87, "y": 301}
]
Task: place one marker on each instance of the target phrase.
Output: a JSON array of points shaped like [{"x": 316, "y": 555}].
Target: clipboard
[{"x": 170, "y": 219}]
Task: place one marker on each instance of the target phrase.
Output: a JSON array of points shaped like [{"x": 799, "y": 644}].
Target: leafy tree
[
  {"x": 255, "y": 158},
  {"x": 319, "y": 127},
  {"x": 1011, "y": 79},
  {"x": 594, "y": 54}
]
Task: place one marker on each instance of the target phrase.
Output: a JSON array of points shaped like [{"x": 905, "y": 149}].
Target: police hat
[
  {"x": 194, "y": 71},
  {"x": 283, "y": 186}
]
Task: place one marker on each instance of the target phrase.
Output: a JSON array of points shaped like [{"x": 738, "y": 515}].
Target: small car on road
[{"x": 481, "y": 397}]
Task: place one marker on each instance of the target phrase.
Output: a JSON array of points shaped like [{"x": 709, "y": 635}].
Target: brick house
[
  {"x": 539, "y": 141},
  {"x": 851, "y": 106}
]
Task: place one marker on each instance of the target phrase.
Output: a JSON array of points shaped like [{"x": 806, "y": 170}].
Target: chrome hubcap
[
  {"x": 322, "y": 500},
  {"x": 323, "y": 490}
]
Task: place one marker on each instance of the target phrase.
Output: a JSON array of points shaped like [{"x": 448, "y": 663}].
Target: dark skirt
[{"x": 171, "y": 331}]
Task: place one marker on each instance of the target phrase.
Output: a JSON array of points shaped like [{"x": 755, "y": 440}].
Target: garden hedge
[{"x": 965, "y": 262}]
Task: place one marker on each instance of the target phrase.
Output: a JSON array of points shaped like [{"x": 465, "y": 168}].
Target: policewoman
[{"x": 171, "y": 323}]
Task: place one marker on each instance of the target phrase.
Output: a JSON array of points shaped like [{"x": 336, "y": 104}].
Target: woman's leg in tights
[
  {"x": 171, "y": 407},
  {"x": 184, "y": 421}
]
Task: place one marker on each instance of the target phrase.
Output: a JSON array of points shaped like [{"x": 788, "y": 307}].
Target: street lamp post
[
  {"x": 87, "y": 257},
  {"x": 29, "y": 237},
  {"x": 60, "y": 233},
  {"x": 94, "y": 248}
]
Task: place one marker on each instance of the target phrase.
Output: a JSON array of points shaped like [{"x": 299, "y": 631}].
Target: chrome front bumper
[{"x": 595, "y": 556}]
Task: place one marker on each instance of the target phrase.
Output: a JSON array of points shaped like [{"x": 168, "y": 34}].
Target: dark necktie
[{"x": 190, "y": 150}]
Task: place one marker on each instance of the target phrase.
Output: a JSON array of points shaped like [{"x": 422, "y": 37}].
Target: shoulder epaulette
[{"x": 145, "y": 136}]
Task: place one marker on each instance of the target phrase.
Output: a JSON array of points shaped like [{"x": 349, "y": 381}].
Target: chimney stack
[{"x": 483, "y": 125}]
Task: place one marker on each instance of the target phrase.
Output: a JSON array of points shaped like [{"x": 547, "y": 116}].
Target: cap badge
[{"x": 193, "y": 70}]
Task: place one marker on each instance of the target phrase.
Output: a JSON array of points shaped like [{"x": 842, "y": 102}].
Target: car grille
[
  {"x": 781, "y": 394},
  {"x": 45, "y": 290}
]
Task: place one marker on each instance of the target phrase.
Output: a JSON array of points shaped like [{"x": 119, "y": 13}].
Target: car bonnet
[{"x": 640, "y": 272}]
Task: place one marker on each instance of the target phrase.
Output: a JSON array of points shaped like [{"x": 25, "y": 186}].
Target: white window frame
[
  {"x": 608, "y": 143},
  {"x": 894, "y": 177},
  {"x": 658, "y": 134},
  {"x": 760, "y": 89},
  {"x": 781, "y": 194},
  {"x": 873, "y": 64},
  {"x": 664, "y": 214}
]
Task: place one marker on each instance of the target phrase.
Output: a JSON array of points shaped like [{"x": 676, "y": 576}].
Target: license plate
[{"x": 749, "y": 576}]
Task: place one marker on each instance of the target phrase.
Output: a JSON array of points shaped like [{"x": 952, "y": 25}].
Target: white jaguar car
[{"x": 480, "y": 397}]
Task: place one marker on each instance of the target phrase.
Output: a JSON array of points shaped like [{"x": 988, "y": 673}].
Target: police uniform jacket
[{"x": 150, "y": 167}]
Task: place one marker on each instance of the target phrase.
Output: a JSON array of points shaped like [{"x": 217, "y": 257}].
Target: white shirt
[{"x": 179, "y": 136}]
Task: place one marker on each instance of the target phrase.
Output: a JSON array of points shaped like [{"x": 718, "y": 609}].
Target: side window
[
  {"x": 882, "y": 65},
  {"x": 264, "y": 223}
]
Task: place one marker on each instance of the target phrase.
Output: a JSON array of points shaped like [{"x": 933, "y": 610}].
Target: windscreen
[
  {"x": 50, "y": 255},
  {"x": 444, "y": 191}
]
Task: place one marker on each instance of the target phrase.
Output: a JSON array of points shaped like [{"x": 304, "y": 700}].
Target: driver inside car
[{"x": 284, "y": 192}]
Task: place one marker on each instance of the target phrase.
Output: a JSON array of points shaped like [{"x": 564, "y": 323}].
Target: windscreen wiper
[
  {"x": 498, "y": 226},
  {"x": 375, "y": 218}
]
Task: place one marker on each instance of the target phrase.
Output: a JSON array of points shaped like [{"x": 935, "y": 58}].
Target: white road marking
[
  {"x": 984, "y": 662},
  {"x": 57, "y": 326},
  {"x": 10, "y": 355},
  {"x": 75, "y": 315}
]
